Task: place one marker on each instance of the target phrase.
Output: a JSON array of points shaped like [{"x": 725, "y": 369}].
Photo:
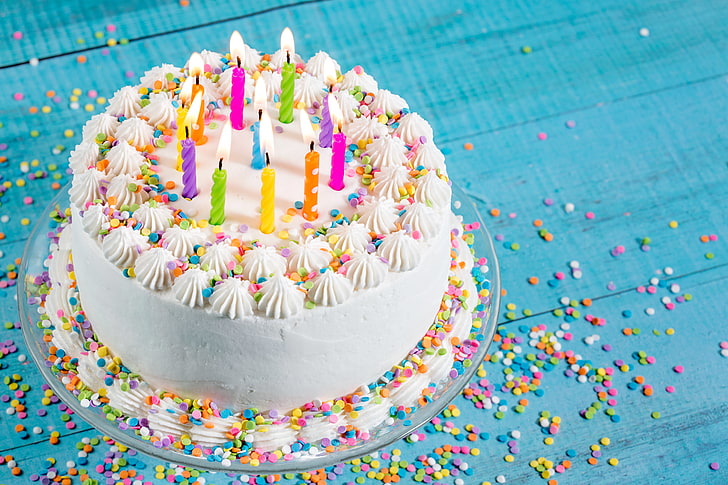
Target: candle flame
[
  {"x": 335, "y": 111},
  {"x": 223, "y": 146},
  {"x": 193, "y": 112},
  {"x": 307, "y": 132},
  {"x": 186, "y": 92},
  {"x": 329, "y": 71},
  {"x": 266, "y": 134},
  {"x": 287, "y": 43},
  {"x": 196, "y": 65},
  {"x": 260, "y": 95},
  {"x": 237, "y": 48}
]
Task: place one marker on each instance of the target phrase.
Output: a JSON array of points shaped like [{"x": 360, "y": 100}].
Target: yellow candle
[
  {"x": 311, "y": 170},
  {"x": 196, "y": 65},
  {"x": 185, "y": 96},
  {"x": 268, "y": 178}
]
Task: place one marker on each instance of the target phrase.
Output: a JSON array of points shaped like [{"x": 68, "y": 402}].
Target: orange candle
[
  {"x": 311, "y": 170},
  {"x": 196, "y": 66}
]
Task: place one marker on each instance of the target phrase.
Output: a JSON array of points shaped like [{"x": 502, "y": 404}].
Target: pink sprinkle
[
  {"x": 714, "y": 466},
  {"x": 27, "y": 200},
  {"x": 570, "y": 124},
  {"x": 105, "y": 51},
  {"x": 670, "y": 306},
  {"x": 111, "y": 28},
  {"x": 670, "y": 389},
  {"x": 724, "y": 345},
  {"x": 559, "y": 275},
  {"x": 18, "y": 96},
  {"x": 567, "y": 336},
  {"x": 358, "y": 69},
  {"x": 651, "y": 360},
  {"x": 641, "y": 289},
  {"x": 651, "y": 289},
  {"x": 92, "y": 93},
  {"x": 679, "y": 369},
  {"x": 17, "y": 35},
  {"x": 612, "y": 402},
  {"x": 589, "y": 215},
  {"x": 713, "y": 237},
  {"x": 542, "y": 136}
]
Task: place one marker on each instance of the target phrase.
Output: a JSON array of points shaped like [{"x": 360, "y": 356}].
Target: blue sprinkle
[
  {"x": 627, "y": 313},
  {"x": 298, "y": 204},
  {"x": 173, "y": 197}
]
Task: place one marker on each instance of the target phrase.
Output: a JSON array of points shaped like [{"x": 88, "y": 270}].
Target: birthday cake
[{"x": 260, "y": 257}]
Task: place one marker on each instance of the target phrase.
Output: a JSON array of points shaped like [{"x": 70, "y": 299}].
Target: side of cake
[{"x": 256, "y": 305}]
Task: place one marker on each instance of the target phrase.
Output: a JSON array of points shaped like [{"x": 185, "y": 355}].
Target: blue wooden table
[{"x": 594, "y": 138}]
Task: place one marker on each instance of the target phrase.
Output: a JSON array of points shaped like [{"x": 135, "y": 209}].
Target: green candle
[
  {"x": 288, "y": 75},
  {"x": 219, "y": 179}
]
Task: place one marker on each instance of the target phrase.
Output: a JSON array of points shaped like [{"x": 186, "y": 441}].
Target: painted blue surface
[{"x": 634, "y": 129}]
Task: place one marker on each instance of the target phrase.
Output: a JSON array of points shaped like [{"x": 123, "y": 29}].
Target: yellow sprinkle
[
  {"x": 474, "y": 451},
  {"x": 605, "y": 441},
  {"x": 68, "y": 133},
  {"x": 283, "y": 234},
  {"x": 670, "y": 331},
  {"x": 286, "y": 218},
  {"x": 509, "y": 458},
  {"x": 202, "y": 223},
  {"x": 25, "y": 221},
  {"x": 613, "y": 461},
  {"x": 114, "y": 222},
  {"x": 46, "y": 109},
  {"x": 673, "y": 224},
  {"x": 101, "y": 100},
  {"x": 20, "y": 183},
  {"x": 548, "y": 441}
]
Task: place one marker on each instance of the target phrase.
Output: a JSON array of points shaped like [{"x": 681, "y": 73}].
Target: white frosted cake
[{"x": 267, "y": 340}]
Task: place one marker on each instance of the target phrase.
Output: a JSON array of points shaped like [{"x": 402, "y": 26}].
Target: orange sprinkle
[
  {"x": 33, "y": 110},
  {"x": 586, "y": 302},
  {"x": 627, "y": 331},
  {"x": 291, "y": 211},
  {"x": 81, "y": 59},
  {"x": 468, "y": 146},
  {"x": 548, "y": 237},
  {"x": 592, "y": 461},
  {"x": 170, "y": 185},
  {"x": 16, "y": 471},
  {"x": 177, "y": 272},
  {"x": 647, "y": 391},
  {"x": 533, "y": 280},
  {"x": 50, "y": 93},
  {"x": 495, "y": 212},
  {"x": 157, "y": 84},
  {"x": 538, "y": 223},
  {"x": 186, "y": 3},
  {"x": 704, "y": 238},
  {"x": 639, "y": 379},
  {"x": 566, "y": 464}
]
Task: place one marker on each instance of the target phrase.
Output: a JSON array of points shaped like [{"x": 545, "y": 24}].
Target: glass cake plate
[{"x": 36, "y": 251}]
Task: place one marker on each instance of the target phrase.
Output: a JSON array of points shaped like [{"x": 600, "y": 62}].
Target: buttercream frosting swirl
[
  {"x": 349, "y": 106},
  {"x": 153, "y": 216},
  {"x": 411, "y": 127},
  {"x": 125, "y": 102},
  {"x": 126, "y": 190},
  {"x": 316, "y": 65},
  {"x": 312, "y": 254},
  {"x": 432, "y": 190},
  {"x": 280, "y": 297},
  {"x": 387, "y": 151},
  {"x": 364, "y": 128},
  {"x": 371, "y": 411},
  {"x": 89, "y": 372},
  {"x": 135, "y": 131},
  {"x": 429, "y": 156},
  {"x": 124, "y": 158},
  {"x": 181, "y": 242},
  {"x": 262, "y": 262},
  {"x": 232, "y": 299},
  {"x": 401, "y": 250},
  {"x": 422, "y": 219},
  {"x": 93, "y": 219},
  {"x": 160, "y": 112},
  {"x": 365, "y": 270},
  {"x": 84, "y": 156},
  {"x": 352, "y": 236},
  {"x": 188, "y": 287},
  {"x": 211, "y": 94},
  {"x": 279, "y": 58},
  {"x": 218, "y": 257},
  {"x": 272, "y": 83},
  {"x": 100, "y": 123},
  {"x": 213, "y": 59},
  {"x": 386, "y": 102},
  {"x": 154, "y": 268},
  {"x": 357, "y": 77},
  {"x": 378, "y": 215},
  {"x": 225, "y": 84},
  {"x": 269, "y": 437},
  {"x": 123, "y": 245},
  {"x": 85, "y": 187},
  {"x": 133, "y": 400},
  {"x": 330, "y": 289},
  {"x": 389, "y": 181},
  {"x": 159, "y": 73},
  {"x": 308, "y": 90}
]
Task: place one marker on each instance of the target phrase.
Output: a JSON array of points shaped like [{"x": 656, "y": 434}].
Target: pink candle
[
  {"x": 338, "y": 149},
  {"x": 237, "y": 92}
]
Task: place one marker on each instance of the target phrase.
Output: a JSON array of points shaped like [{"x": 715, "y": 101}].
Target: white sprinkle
[
  {"x": 565, "y": 326},
  {"x": 724, "y": 352},
  {"x": 675, "y": 288},
  {"x": 22, "y": 358},
  {"x": 644, "y": 32},
  {"x": 668, "y": 270},
  {"x": 574, "y": 264},
  {"x": 654, "y": 281},
  {"x": 70, "y": 464},
  {"x": 576, "y": 274},
  {"x": 10, "y": 411},
  {"x": 500, "y": 479},
  {"x": 569, "y": 207},
  {"x": 564, "y": 300},
  {"x": 588, "y": 340},
  {"x": 665, "y": 300},
  {"x": 515, "y": 434},
  {"x": 650, "y": 311},
  {"x": 456, "y": 204},
  {"x": 34, "y": 61},
  {"x": 37, "y": 430}
]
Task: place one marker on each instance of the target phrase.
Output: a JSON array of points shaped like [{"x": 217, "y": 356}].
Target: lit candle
[
  {"x": 189, "y": 160},
  {"x": 260, "y": 97},
  {"x": 268, "y": 179},
  {"x": 196, "y": 65},
  {"x": 219, "y": 178},
  {"x": 311, "y": 169},
  {"x": 327, "y": 127},
  {"x": 338, "y": 150},
  {"x": 185, "y": 94},
  {"x": 237, "y": 92},
  {"x": 288, "y": 75}
]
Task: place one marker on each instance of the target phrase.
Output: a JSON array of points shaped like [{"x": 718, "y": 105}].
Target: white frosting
[
  {"x": 135, "y": 131},
  {"x": 272, "y": 81},
  {"x": 309, "y": 89},
  {"x": 153, "y": 216},
  {"x": 269, "y": 437},
  {"x": 218, "y": 257},
  {"x": 94, "y": 219},
  {"x": 100, "y": 123},
  {"x": 421, "y": 218},
  {"x": 432, "y": 190},
  {"x": 364, "y": 128},
  {"x": 232, "y": 299},
  {"x": 316, "y": 65},
  {"x": 363, "y": 80},
  {"x": 123, "y": 245},
  {"x": 160, "y": 112},
  {"x": 352, "y": 236},
  {"x": 279, "y": 58},
  {"x": 280, "y": 298},
  {"x": 154, "y": 268},
  {"x": 125, "y": 102},
  {"x": 131, "y": 402},
  {"x": 386, "y": 102},
  {"x": 390, "y": 180},
  {"x": 124, "y": 159},
  {"x": 349, "y": 106},
  {"x": 310, "y": 254},
  {"x": 379, "y": 215},
  {"x": 371, "y": 412},
  {"x": 401, "y": 250},
  {"x": 366, "y": 270},
  {"x": 428, "y": 156},
  {"x": 210, "y": 94},
  {"x": 387, "y": 151},
  {"x": 182, "y": 242},
  {"x": 213, "y": 59},
  {"x": 159, "y": 73},
  {"x": 411, "y": 127},
  {"x": 188, "y": 287},
  {"x": 85, "y": 187},
  {"x": 89, "y": 372},
  {"x": 84, "y": 156},
  {"x": 262, "y": 262},
  {"x": 120, "y": 187},
  {"x": 330, "y": 289}
]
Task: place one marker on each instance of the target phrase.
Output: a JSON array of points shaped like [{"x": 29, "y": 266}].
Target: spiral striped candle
[
  {"x": 189, "y": 168},
  {"x": 327, "y": 126}
]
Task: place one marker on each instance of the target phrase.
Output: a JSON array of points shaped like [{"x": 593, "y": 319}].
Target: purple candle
[
  {"x": 327, "y": 126},
  {"x": 189, "y": 168},
  {"x": 237, "y": 91}
]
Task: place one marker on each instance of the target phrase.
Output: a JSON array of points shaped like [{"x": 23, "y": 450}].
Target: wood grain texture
[{"x": 563, "y": 102}]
